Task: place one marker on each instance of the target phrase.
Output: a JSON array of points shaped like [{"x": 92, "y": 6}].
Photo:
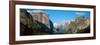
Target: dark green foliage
[
  {"x": 24, "y": 30},
  {"x": 86, "y": 30},
  {"x": 35, "y": 26}
]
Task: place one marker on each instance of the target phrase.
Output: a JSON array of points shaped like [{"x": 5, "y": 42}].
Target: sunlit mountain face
[{"x": 45, "y": 21}]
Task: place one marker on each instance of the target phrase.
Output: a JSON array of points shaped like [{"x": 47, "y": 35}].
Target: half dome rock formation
[
  {"x": 82, "y": 21},
  {"x": 80, "y": 25},
  {"x": 83, "y": 24}
]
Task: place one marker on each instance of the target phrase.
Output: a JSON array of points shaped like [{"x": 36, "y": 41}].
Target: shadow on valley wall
[{"x": 30, "y": 27}]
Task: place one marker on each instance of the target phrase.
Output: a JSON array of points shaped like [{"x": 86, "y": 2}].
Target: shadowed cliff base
[{"x": 29, "y": 26}]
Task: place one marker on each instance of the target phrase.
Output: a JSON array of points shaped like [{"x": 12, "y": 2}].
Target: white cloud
[
  {"x": 80, "y": 13},
  {"x": 55, "y": 24}
]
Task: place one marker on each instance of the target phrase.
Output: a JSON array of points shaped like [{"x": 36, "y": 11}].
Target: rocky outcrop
[
  {"x": 80, "y": 25},
  {"x": 35, "y": 23},
  {"x": 42, "y": 18},
  {"x": 25, "y": 23}
]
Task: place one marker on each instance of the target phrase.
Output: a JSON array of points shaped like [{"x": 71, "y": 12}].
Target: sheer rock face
[
  {"x": 25, "y": 22},
  {"x": 43, "y": 20},
  {"x": 81, "y": 24},
  {"x": 39, "y": 23},
  {"x": 73, "y": 26}
]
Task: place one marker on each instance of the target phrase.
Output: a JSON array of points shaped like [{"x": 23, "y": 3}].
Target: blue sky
[{"x": 59, "y": 16}]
